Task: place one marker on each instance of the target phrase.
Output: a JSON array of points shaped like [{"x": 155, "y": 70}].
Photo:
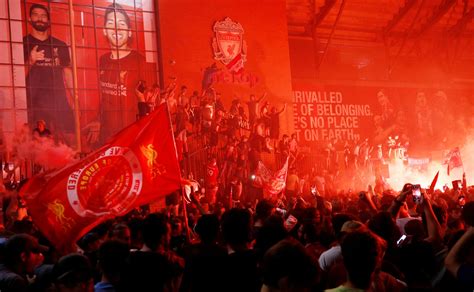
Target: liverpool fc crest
[{"x": 228, "y": 44}]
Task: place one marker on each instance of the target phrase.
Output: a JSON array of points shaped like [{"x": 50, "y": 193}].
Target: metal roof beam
[
  {"x": 462, "y": 23},
  {"x": 323, "y": 12},
  {"x": 399, "y": 16},
  {"x": 442, "y": 9}
]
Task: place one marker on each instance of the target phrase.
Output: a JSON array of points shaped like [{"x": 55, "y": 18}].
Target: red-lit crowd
[
  {"x": 369, "y": 241},
  {"x": 227, "y": 236}
]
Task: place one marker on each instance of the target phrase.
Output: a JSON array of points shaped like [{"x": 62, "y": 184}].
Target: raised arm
[
  {"x": 398, "y": 202},
  {"x": 434, "y": 228},
  {"x": 282, "y": 109},
  {"x": 453, "y": 259}
]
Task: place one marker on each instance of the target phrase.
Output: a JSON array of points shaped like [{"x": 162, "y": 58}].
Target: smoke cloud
[{"x": 46, "y": 153}]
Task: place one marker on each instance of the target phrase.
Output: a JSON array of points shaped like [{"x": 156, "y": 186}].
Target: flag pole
[{"x": 183, "y": 201}]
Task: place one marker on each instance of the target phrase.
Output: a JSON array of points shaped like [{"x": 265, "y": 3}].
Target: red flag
[
  {"x": 272, "y": 183},
  {"x": 453, "y": 159},
  {"x": 433, "y": 183},
  {"x": 236, "y": 65},
  {"x": 137, "y": 166}
]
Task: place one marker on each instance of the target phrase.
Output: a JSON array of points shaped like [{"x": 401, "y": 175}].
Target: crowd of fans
[
  {"x": 361, "y": 242},
  {"x": 227, "y": 236}
]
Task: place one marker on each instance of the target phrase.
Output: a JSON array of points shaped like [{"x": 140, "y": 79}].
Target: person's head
[
  {"x": 420, "y": 98},
  {"x": 441, "y": 215},
  {"x": 455, "y": 212},
  {"x": 384, "y": 226},
  {"x": 120, "y": 232},
  {"x": 361, "y": 252},
  {"x": 156, "y": 231},
  {"x": 338, "y": 221},
  {"x": 236, "y": 227},
  {"x": 293, "y": 136},
  {"x": 272, "y": 231},
  {"x": 23, "y": 253},
  {"x": 117, "y": 27},
  {"x": 308, "y": 232},
  {"x": 252, "y": 97},
  {"x": 415, "y": 229},
  {"x": 41, "y": 125},
  {"x": 184, "y": 89},
  {"x": 73, "y": 272},
  {"x": 382, "y": 98},
  {"x": 378, "y": 121},
  {"x": 468, "y": 213},
  {"x": 39, "y": 17},
  {"x": 113, "y": 256},
  {"x": 264, "y": 209},
  {"x": 287, "y": 266},
  {"x": 207, "y": 228},
  {"x": 90, "y": 242}
]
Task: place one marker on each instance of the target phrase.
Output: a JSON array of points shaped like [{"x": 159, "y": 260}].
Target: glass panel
[
  {"x": 3, "y": 9},
  {"x": 20, "y": 97},
  {"x": 5, "y": 56},
  {"x": 85, "y": 36},
  {"x": 15, "y": 9},
  {"x": 86, "y": 58},
  {"x": 6, "y": 98},
  {"x": 18, "y": 57},
  {"x": 8, "y": 120},
  {"x": 6, "y": 73},
  {"x": 4, "y": 35},
  {"x": 87, "y": 78},
  {"x": 21, "y": 118},
  {"x": 19, "y": 76},
  {"x": 59, "y": 13},
  {"x": 61, "y": 32},
  {"x": 17, "y": 31},
  {"x": 149, "y": 21}
]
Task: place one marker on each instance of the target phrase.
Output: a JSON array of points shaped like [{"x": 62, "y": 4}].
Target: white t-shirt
[
  {"x": 330, "y": 257},
  {"x": 401, "y": 222}
]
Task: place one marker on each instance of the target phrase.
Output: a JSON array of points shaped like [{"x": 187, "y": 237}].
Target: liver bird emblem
[{"x": 150, "y": 154}]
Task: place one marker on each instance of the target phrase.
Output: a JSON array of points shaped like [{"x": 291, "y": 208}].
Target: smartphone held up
[{"x": 416, "y": 193}]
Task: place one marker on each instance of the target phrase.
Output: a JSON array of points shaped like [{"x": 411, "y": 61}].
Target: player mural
[{"x": 116, "y": 67}]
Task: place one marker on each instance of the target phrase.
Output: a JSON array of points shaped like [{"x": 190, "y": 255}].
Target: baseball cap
[
  {"x": 351, "y": 226},
  {"x": 72, "y": 269},
  {"x": 19, "y": 243}
]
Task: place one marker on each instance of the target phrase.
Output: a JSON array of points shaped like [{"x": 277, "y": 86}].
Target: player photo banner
[{"x": 115, "y": 45}]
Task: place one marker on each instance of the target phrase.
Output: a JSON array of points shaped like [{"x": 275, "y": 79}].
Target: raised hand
[{"x": 36, "y": 55}]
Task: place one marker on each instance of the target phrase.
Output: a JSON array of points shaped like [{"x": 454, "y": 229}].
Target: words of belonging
[{"x": 322, "y": 116}]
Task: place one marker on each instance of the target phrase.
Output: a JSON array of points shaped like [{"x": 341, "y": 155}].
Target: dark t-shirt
[
  {"x": 241, "y": 272},
  {"x": 118, "y": 80},
  {"x": 46, "y": 93},
  {"x": 150, "y": 271},
  {"x": 252, "y": 105},
  {"x": 203, "y": 270},
  {"x": 10, "y": 281},
  {"x": 274, "y": 126},
  {"x": 466, "y": 275}
]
